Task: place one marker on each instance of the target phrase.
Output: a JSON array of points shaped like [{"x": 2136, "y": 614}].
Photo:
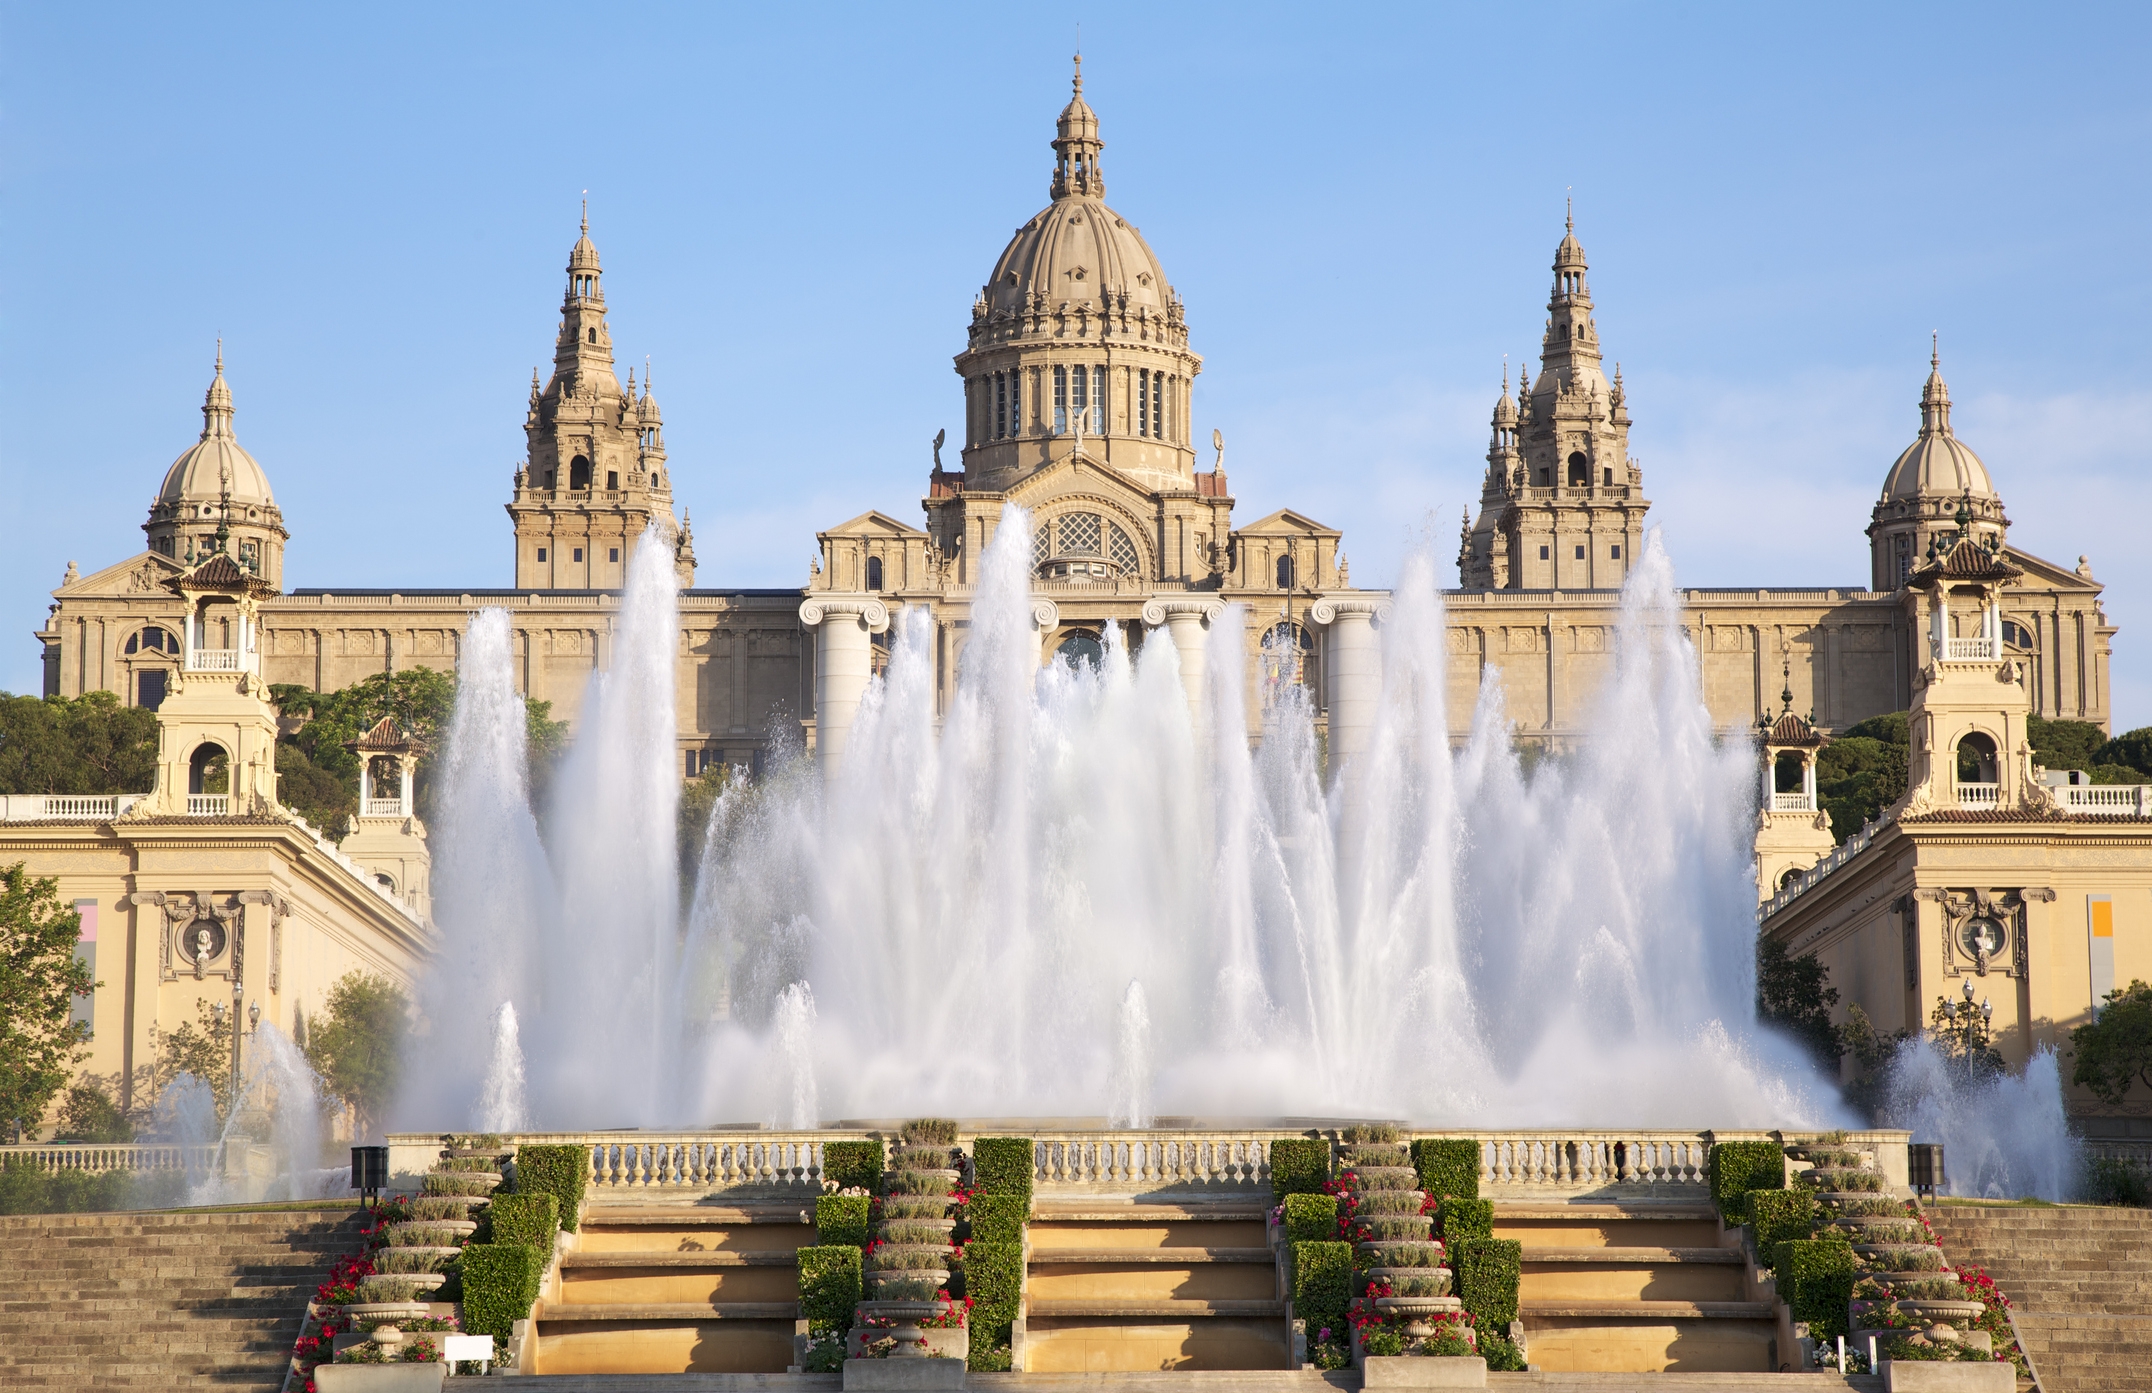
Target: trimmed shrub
[
  {"x": 1311, "y": 1218},
  {"x": 1372, "y": 1134},
  {"x": 1377, "y": 1203},
  {"x": 404, "y": 1236},
  {"x": 442, "y": 1207},
  {"x": 914, "y": 1231},
  {"x": 1448, "y": 1166},
  {"x": 923, "y": 1158},
  {"x": 456, "y": 1183},
  {"x": 1738, "y": 1167},
  {"x": 1356, "y": 1154},
  {"x": 559, "y": 1171},
  {"x": 908, "y": 1257},
  {"x": 479, "y": 1165},
  {"x": 1298, "y": 1166},
  {"x": 998, "y": 1218},
  {"x": 919, "y": 1183},
  {"x": 841, "y": 1220},
  {"x": 853, "y": 1165},
  {"x": 1488, "y": 1271},
  {"x": 500, "y": 1281},
  {"x": 929, "y": 1131},
  {"x": 1320, "y": 1280},
  {"x": 531, "y": 1219},
  {"x": 994, "y": 1280},
  {"x": 1406, "y": 1255},
  {"x": 1395, "y": 1228},
  {"x": 1003, "y": 1165},
  {"x": 1463, "y": 1219},
  {"x": 1778, "y": 1215},
  {"x": 829, "y": 1287},
  {"x": 911, "y": 1206},
  {"x": 1815, "y": 1277}
]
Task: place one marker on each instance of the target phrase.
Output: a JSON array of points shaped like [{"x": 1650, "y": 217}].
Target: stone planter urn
[{"x": 913, "y": 1340}]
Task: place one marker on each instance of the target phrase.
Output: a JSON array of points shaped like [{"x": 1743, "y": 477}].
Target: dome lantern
[{"x": 1076, "y": 146}]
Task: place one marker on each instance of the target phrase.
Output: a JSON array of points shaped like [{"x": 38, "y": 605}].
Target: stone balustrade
[
  {"x": 35, "y": 807},
  {"x": 96, "y": 1159}
]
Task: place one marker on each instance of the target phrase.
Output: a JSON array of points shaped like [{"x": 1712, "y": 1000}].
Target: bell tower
[{"x": 594, "y": 475}]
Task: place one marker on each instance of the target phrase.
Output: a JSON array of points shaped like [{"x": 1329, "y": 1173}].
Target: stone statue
[
  {"x": 201, "y": 945},
  {"x": 939, "y": 437}
]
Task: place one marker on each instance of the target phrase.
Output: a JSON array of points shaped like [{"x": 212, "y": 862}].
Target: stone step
[
  {"x": 612, "y": 1257},
  {"x": 1649, "y": 1310},
  {"x": 546, "y": 1311},
  {"x": 1729, "y": 1257},
  {"x": 1138, "y": 1256},
  {"x": 1102, "y": 1212},
  {"x": 1090, "y": 1307}
]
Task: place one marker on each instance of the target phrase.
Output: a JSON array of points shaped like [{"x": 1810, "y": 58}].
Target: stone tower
[
  {"x": 216, "y": 731},
  {"x": 1936, "y": 477},
  {"x": 1562, "y": 506},
  {"x": 215, "y": 497},
  {"x": 595, "y": 474},
  {"x": 1078, "y": 332}
]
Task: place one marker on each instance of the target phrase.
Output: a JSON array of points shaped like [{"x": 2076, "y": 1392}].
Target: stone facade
[{"x": 1077, "y": 372}]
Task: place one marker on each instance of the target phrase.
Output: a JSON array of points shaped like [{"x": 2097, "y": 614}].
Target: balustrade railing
[
  {"x": 1792, "y": 803},
  {"x": 1979, "y": 795},
  {"x": 1971, "y": 650},
  {"x": 1153, "y": 1159},
  {"x": 30, "y": 807},
  {"x": 2107, "y": 800},
  {"x": 383, "y": 807},
  {"x": 96, "y": 1159},
  {"x": 213, "y": 660},
  {"x": 208, "y": 804}
]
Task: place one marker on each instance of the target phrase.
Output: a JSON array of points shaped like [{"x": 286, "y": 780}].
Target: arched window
[
  {"x": 579, "y": 472},
  {"x": 1976, "y": 759},
  {"x": 1122, "y": 550},
  {"x": 1793, "y": 873},
  {"x": 1786, "y": 773},
  {"x": 1081, "y": 649},
  {"x": 1285, "y": 572},
  {"x": 1080, "y": 534},
  {"x": 153, "y": 640},
  {"x": 1580, "y": 471},
  {"x": 593, "y": 335},
  {"x": 874, "y": 573},
  {"x": 1288, "y": 657},
  {"x": 207, "y": 770}
]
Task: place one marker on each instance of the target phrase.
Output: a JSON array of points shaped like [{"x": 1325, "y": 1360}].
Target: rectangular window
[
  {"x": 1080, "y": 395},
  {"x": 541, "y": 553},
  {"x": 85, "y": 1007},
  {"x": 1158, "y": 406},
  {"x": 1580, "y": 553},
  {"x": 1616, "y": 551},
  {"x": 1001, "y": 405},
  {"x": 1143, "y": 401},
  {"x": 613, "y": 554},
  {"x": 1542, "y": 553},
  {"x": 1098, "y": 400},
  {"x": 2100, "y": 927},
  {"x": 612, "y": 478},
  {"x": 1061, "y": 401},
  {"x": 579, "y": 553},
  {"x": 691, "y": 766},
  {"x": 149, "y": 688}
]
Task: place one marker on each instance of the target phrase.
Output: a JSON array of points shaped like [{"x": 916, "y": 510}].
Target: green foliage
[
  {"x": 201, "y": 1047},
  {"x": 1796, "y": 995},
  {"x": 1003, "y": 1165},
  {"x": 2132, "y": 750},
  {"x": 1873, "y": 1052},
  {"x": 2064, "y": 744},
  {"x": 1863, "y": 772},
  {"x": 929, "y": 1131},
  {"x": 853, "y": 1164},
  {"x": 39, "y": 981},
  {"x": 2115, "y": 1050},
  {"x": 318, "y": 777},
  {"x": 998, "y": 1218},
  {"x": 1966, "y": 1041},
  {"x": 1463, "y": 1219},
  {"x": 1311, "y": 1218},
  {"x": 2112, "y": 1180},
  {"x": 841, "y": 1220},
  {"x": 1777, "y": 1215},
  {"x": 1298, "y": 1166},
  {"x": 698, "y": 799},
  {"x": 500, "y": 1281},
  {"x": 91, "y": 744},
  {"x": 1448, "y": 1166},
  {"x": 559, "y": 1171},
  {"x": 87, "y": 1113},
  {"x": 998, "y": 1360},
  {"x": 28, "y": 1188},
  {"x": 1320, "y": 1279},
  {"x": 529, "y": 1219},
  {"x": 1502, "y": 1356},
  {"x": 1488, "y": 1271},
  {"x": 357, "y": 1043},
  {"x": 1815, "y": 1278},
  {"x": 1738, "y": 1167},
  {"x": 829, "y": 1287},
  {"x": 824, "y": 1356},
  {"x": 994, "y": 1280}
]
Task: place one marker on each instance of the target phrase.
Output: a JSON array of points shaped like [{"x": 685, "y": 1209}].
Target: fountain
[
  {"x": 501, "y": 1107},
  {"x": 1132, "y": 1064}
]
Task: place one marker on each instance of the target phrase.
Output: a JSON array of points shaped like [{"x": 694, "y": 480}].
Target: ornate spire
[
  {"x": 1935, "y": 396},
  {"x": 217, "y": 403},
  {"x": 1076, "y": 147}
]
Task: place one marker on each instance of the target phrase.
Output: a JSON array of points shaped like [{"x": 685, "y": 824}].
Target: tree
[
  {"x": 1863, "y": 772},
  {"x": 1965, "y": 1039},
  {"x": 2132, "y": 749},
  {"x": 357, "y": 1042},
  {"x": 2115, "y": 1051},
  {"x": 1873, "y": 1055},
  {"x": 201, "y": 1047},
  {"x": 1795, "y": 995},
  {"x": 40, "y": 977},
  {"x": 91, "y": 744},
  {"x": 88, "y": 1114},
  {"x": 2064, "y": 744}
]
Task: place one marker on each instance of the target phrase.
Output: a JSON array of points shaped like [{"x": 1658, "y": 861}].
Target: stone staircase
[
  {"x": 160, "y": 1300},
  {"x": 1114, "y": 1286},
  {"x": 1636, "y": 1287},
  {"x": 2080, "y": 1278},
  {"x": 699, "y": 1289}
]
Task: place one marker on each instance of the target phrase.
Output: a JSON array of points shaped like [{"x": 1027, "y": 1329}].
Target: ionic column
[
  {"x": 1352, "y": 669},
  {"x": 1045, "y": 618},
  {"x": 844, "y": 627},
  {"x": 1184, "y": 620}
]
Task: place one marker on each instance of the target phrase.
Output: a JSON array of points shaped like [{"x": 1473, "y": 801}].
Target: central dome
[{"x": 1077, "y": 251}]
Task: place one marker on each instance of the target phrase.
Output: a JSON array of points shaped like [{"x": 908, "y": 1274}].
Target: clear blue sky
[{"x": 795, "y": 206}]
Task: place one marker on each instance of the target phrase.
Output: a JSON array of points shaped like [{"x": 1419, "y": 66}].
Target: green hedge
[
  {"x": 1311, "y": 1218},
  {"x": 1488, "y": 1271},
  {"x": 500, "y": 1281},
  {"x": 1298, "y": 1166},
  {"x": 853, "y": 1164},
  {"x": 1738, "y": 1167},
  {"x": 559, "y": 1171},
  {"x": 1778, "y": 1215},
  {"x": 829, "y": 1287},
  {"x": 1815, "y": 1278},
  {"x": 841, "y": 1220},
  {"x": 1462, "y": 1219},
  {"x": 531, "y": 1220},
  {"x": 1321, "y": 1284},
  {"x": 998, "y": 1218},
  {"x": 1448, "y": 1166},
  {"x": 994, "y": 1280},
  {"x": 1002, "y": 1165},
  {"x": 28, "y": 1188}
]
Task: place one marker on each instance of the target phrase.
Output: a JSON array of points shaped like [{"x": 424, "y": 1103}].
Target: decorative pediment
[
  {"x": 2041, "y": 574},
  {"x": 872, "y": 523},
  {"x": 1286, "y": 523},
  {"x": 1081, "y": 475},
  {"x": 141, "y": 574}
]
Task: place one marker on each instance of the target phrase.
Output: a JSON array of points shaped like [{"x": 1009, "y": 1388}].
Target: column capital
[
  {"x": 1045, "y": 614},
  {"x": 1164, "y": 610},
  {"x": 1374, "y": 604},
  {"x": 869, "y": 612}
]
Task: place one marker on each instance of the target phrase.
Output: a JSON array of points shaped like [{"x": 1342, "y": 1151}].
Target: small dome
[
  {"x": 1078, "y": 250},
  {"x": 216, "y": 461},
  {"x": 1937, "y": 463},
  {"x": 584, "y": 257},
  {"x": 1505, "y": 410}
]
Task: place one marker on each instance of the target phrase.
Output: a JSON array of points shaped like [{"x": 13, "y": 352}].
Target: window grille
[
  {"x": 1042, "y": 545},
  {"x": 1122, "y": 549},
  {"x": 1079, "y": 534}
]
